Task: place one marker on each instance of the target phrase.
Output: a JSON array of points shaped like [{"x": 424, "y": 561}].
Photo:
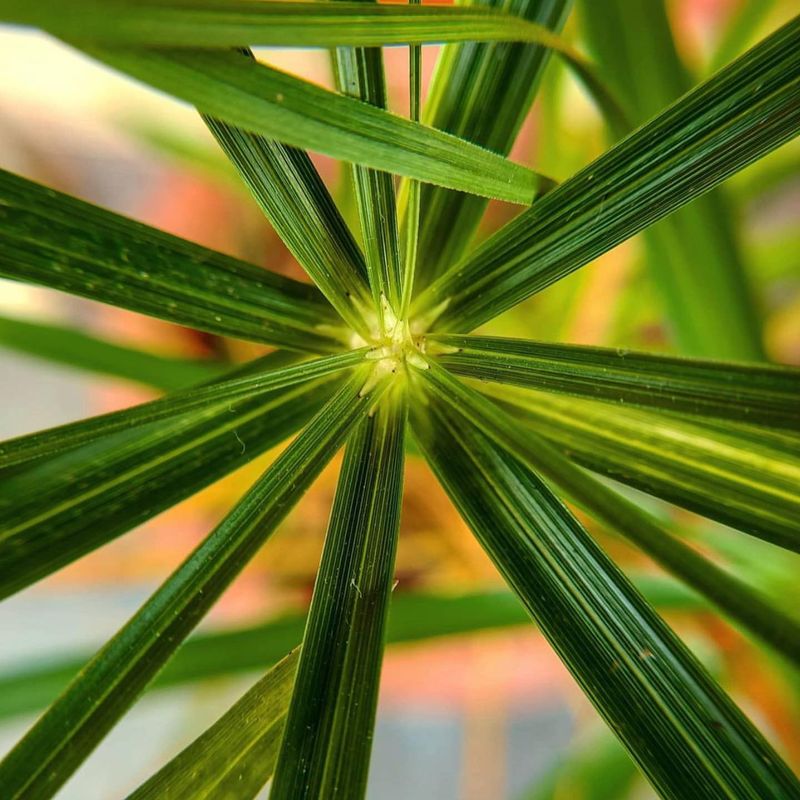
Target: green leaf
[
  {"x": 217, "y": 397},
  {"x": 412, "y": 618},
  {"x": 480, "y": 92},
  {"x": 58, "y": 241},
  {"x": 739, "y": 601},
  {"x": 289, "y": 190},
  {"x": 411, "y": 222},
  {"x": 715, "y": 130},
  {"x": 726, "y": 476},
  {"x": 634, "y": 47},
  {"x": 62, "y": 509},
  {"x": 756, "y": 394},
  {"x": 328, "y": 737},
  {"x": 232, "y": 23},
  {"x": 263, "y": 100},
  {"x": 685, "y": 734},
  {"x": 359, "y": 73},
  {"x": 70, "y": 729},
  {"x": 235, "y": 757},
  {"x": 73, "y": 348}
]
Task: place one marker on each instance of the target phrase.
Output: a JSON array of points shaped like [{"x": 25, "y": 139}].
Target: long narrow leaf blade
[
  {"x": 236, "y": 756},
  {"x": 359, "y": 73},
  {"x": 55, "y": 240},
  {"x": 58, "y": 511},
  {"x": 72, "y": 727},
  {"x": 739, "y": 601},
  {"x": 289, "y": 190},
  {"x": 726, "y": 123},
  {"x": 328, "y": 737},
  {"x": 219, "y": 24},
  {"x": 481, "y": 92},
  {"x": 685, "y": 734},
  {"x": 756, "y": 394},
  {"x": 217, "y": 396},
  {"x": 264, "y": 100},
  {"x": 721, "y": 474}
]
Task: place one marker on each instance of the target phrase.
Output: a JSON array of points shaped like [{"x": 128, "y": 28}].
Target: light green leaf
[
  {"x": 327, "y": 742},
  {"x": 755, "y": 394},
  {"x": 722, "y": 474},
  {"x": 235, "y": 757},
  {"x": 90, "y": 706},
  {"x": 685, "y": 734},
  {"x": 74, "y": 348},
  {"x": 715, "y": 130},
  {"x": 58, "y": 241},
  {"x": 736, "y": 599}
]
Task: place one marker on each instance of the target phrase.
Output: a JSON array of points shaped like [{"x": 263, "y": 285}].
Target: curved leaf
[{"x": 265, "y": 101}]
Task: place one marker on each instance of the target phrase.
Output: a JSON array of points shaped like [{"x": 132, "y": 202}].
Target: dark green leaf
[
  {"x": 736, "y": 599},
  {"x": 720, "y": 127},
  {"x": 328, "y": 737},
  {"x": 235, "y": 757},
  {"x": 55, "y": 240},
  {"x": 725, "y": 476},
  {"x": 289, "y": 190},
  {"x": 756, "y": 394},
  {"x": 75, "y": 348},
  {"x": 217, "y": 397},
  {"x": 359, "y": 73},
  {"x": 685, "y": 734},
  {"x": 480, "y": 92},
  {"x": 62, "y": 509},
  {"x": 71, "y": 728}
]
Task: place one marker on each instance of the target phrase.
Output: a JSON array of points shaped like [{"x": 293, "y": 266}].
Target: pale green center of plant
[{"x": 394, "y": 347}]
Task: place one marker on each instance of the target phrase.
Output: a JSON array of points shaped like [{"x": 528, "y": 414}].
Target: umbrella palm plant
[{"x": 378, "y": 349}]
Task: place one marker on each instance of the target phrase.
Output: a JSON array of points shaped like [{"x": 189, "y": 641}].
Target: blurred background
[{"x": 465, "y": 716}]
